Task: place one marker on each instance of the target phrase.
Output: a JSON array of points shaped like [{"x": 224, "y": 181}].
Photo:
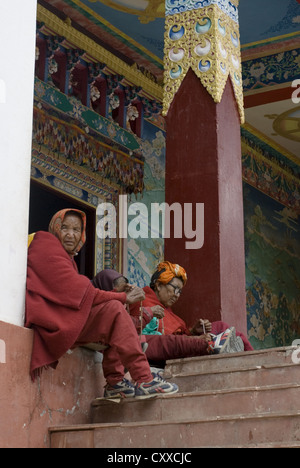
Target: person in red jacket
[
  {"x": 173, "y": 340},
  {"x": 165, "y": 289},
  {"x": 65, "y": 310}
]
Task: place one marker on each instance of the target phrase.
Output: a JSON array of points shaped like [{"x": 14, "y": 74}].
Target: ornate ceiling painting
[{"x": 270, "y": 43}]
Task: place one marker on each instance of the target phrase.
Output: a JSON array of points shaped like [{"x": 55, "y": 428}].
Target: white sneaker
[
  {"x": 123, "y": 389},
  {"x": 227, "y": 342},
  {"x": 157, "y": 386}
]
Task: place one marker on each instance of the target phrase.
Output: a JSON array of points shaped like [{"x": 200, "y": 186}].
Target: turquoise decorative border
[
  {"x": 73, "y": 108},
  {"x": 173, "y": 7}
]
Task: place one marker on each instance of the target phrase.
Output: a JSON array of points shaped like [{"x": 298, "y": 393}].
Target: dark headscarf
[{"x": 105, "y": 279}]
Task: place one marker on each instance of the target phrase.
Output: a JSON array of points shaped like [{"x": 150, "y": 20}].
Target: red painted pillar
[{"x": 203, "y": 165}]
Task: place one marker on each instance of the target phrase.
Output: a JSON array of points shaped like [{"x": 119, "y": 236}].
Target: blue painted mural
[
  {"x": 272, "y": 240},
  {"x": 144, "y": 254}
]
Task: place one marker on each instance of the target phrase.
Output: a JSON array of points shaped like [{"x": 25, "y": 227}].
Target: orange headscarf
[
  {"x": 58, "y": 219},
  {"x": 166, "y": 271}
]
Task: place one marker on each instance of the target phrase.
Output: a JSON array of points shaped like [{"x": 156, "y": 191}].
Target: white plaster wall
[{"x": 17, "y": 56}]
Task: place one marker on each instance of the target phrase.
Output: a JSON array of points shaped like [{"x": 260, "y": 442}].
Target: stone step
[
  {"x": 242, "y": 400},
  {"x": 205, "y": 364},
  {"x": 236, "y": 378},
  {"x": 245, "y": 430},
  {"x": 198, "y": 405}
]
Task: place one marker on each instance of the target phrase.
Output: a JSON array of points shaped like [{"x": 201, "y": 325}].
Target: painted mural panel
[
  {"x": 144, "y": 254},
  {"x": 272, "y": 241}
]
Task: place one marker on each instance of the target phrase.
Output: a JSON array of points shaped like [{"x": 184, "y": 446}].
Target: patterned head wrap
[
  {"x": 166, "y": 271},
  {"x": 105, "y": 279},
  {"x": 58, "y": 219}
]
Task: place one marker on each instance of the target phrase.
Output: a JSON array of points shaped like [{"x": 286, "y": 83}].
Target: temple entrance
[{"x": 44, "y": 203}]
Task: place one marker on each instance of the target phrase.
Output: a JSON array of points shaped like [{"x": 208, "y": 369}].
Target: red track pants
[
  {"x": 160, "y": 348},
  {"x": 110, "y": 324}
]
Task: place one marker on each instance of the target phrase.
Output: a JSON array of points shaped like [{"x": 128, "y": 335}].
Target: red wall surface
[
  {"x": 203, "y": 165},
  {"x": 60, "y": 397}
]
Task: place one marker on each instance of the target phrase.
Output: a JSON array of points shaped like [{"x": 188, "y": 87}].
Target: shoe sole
[
  {"x": 154, "y": 395},
  {"x": 118, "y": 396},
  {"x": 240, "y": 344},
  {"x": 226, "y": 344},
  {"x": 234, "y": 344}
]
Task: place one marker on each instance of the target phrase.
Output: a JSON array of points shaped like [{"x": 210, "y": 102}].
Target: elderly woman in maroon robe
[{"x": 65, "y": 310}]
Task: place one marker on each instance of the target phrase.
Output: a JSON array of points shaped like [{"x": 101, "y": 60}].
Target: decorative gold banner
[{"x": 207, "y": 40}]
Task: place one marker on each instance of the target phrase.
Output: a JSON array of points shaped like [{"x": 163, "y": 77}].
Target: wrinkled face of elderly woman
[
  {"x": 70, "y": 233},
  {"x": 168, "y": 294}
]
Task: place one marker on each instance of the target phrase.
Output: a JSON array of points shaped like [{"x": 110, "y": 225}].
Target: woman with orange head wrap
[
  {"x": 74, "y": 242},
  {"x": 166, "y": 271},
  {"x": 178, "y": 341},
  {"x": 165, "y": 289}
]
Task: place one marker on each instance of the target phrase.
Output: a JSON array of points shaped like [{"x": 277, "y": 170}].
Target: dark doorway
[{"x": 44, "y": 203}]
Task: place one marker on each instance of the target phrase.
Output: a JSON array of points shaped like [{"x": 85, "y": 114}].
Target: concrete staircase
[{"x": 240, "y": 400}]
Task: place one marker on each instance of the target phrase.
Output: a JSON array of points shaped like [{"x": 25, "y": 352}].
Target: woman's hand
[
  {"x": 207, "y": 337},
  {"x": 128, "y": 287},
  {"x": 201, "y": 327},
  {"x": 158, "y": 311},
  {"x": 135, "y": 295}
]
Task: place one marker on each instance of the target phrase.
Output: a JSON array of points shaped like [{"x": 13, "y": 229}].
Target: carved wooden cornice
[{"x": 99, "y": 53}]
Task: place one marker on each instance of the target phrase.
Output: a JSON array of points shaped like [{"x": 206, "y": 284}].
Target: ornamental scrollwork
[{"x": 206, "y": 40}]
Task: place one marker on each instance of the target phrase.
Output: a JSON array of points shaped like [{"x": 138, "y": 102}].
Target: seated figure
[
  {"x": 175, "y": 340},
  {"x": 165, "y": 289},
  {"x": 65, "y": 310}
]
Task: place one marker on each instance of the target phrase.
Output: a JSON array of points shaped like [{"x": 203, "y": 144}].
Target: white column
[{"x": 17, "y": 57}]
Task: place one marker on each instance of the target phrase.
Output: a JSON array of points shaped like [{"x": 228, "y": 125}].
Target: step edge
[
  {"x": 233, "y": 370},
  {"x": 259, "y": 445},
  {"x": 227, "y": 418},
  {"x": 275, "y": 387},
  {"x": 280, "y": 350}
]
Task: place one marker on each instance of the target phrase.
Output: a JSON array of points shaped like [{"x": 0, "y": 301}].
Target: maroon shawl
[{"x": 58, "y": 301}]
